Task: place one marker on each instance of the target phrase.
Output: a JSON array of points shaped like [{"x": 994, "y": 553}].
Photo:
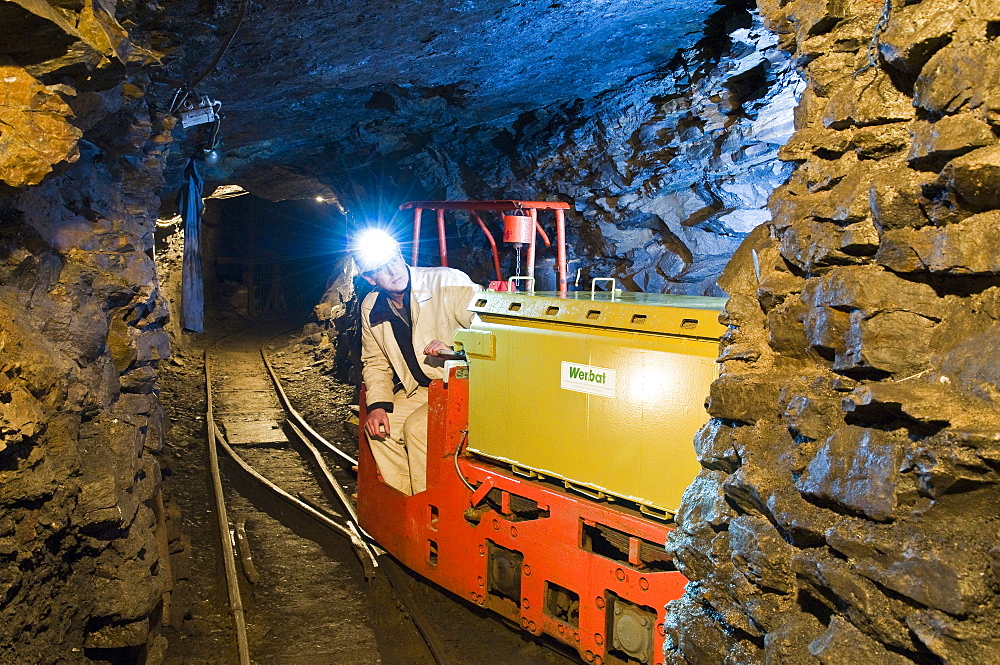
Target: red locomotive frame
[{"x": 452, "y": 536}]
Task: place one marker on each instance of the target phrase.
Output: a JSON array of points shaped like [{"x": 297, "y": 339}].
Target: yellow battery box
[{"x": 602, "y": 392}]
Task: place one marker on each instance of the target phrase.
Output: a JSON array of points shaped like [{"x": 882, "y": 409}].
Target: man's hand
[
  {"x": 435, "y": 348},
  {"x": 377, "y": 424}
]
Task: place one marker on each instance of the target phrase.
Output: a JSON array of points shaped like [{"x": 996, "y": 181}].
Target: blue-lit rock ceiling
[
  {"x": 314, "y": 70},
  {"x": 659, "y": 121}
]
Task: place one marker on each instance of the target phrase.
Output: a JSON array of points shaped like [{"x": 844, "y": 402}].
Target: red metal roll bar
[{"x": 474, "y": 207}]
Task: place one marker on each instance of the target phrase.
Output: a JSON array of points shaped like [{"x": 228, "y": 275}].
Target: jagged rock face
[
  {"x": 81, "y": 519},
  {"x": 847, "y": 507},
  {"x": 667, "y": 176},
  {"x": 846, "y": 510},
  {"x": 661, "y": 127}
]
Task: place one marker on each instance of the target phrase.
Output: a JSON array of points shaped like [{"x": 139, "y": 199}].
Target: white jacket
[{"x": 439, "y": 301}]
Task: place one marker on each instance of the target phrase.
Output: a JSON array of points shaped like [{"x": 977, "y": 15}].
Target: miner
[{"x": 407, "y": 322}]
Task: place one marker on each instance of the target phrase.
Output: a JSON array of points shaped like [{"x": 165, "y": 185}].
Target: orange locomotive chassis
[{"x": 522, "y": 548}]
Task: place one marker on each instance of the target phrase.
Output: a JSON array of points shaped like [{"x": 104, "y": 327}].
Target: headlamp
[{"x": 372, "y": 248}]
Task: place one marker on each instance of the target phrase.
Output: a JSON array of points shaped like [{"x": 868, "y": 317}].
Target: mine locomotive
[{"x": 558, "y": 451}]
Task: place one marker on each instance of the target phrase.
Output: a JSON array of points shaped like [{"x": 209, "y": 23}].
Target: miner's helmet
[{"x": 373, "y": 248}]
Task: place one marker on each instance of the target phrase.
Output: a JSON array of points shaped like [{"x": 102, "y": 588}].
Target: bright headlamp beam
[{"x": 373, "y": 248}]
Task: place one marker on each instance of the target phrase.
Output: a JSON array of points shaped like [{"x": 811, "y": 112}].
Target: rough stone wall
[
  {"x": 847, "y": 510},
  {"x": 83, "y": 528},
  {"x": 668, "y": 172},
  {"x": 671, "y": 173}
]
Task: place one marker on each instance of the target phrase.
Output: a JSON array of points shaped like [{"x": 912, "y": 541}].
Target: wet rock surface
[{"x": 847, "y": 510}]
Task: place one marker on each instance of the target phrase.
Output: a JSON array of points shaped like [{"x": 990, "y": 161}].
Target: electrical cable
[
  {"x": 225, "y": 46},
  {"x": 187, "y": 87},
  {"x": 215, "y": 131},
  {"x": 458, "y": 449},
  {"x": 883, "y": 23},
  {"x": 177, "y": 100}
]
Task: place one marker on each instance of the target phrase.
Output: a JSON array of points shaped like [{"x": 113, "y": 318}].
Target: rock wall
[
  {"x": 84, "y": 565},
  {"x": 847, "y": 507},
  {"x": 670, "y": 174},
  {"x": 668, "y": 171}
]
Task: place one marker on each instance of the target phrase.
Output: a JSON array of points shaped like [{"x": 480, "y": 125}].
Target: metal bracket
[
  {"x": 593, "y": 286},
  {"x": 448, "y": 364},
  {"x": 481, "y": 492},
  {"x": 199, "y": 112},
  {"x": 512, "y": 281}
]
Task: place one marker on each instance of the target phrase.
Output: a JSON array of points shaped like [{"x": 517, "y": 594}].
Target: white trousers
[{"x": 402, "y": 455}]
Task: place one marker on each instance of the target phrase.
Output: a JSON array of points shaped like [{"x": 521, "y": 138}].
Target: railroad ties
[
  {"x": 305, "y": 584},
  {"x": 247, "y": 409}
]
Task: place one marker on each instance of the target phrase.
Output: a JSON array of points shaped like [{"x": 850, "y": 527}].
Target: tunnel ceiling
[{"x": 302, "y": 78}]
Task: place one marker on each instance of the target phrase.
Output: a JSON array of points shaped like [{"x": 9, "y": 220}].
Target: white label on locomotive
[{"x": 587, "y": 379}]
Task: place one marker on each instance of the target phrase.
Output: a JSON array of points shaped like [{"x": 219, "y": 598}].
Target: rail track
[
  {"x": 305, "y": 583},
  {"x": 273, "y": 454}
]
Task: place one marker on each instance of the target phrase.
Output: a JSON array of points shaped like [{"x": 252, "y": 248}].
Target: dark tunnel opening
[
  {"x": 262, "y": 258},
  {"x": 279, "y": 254}
]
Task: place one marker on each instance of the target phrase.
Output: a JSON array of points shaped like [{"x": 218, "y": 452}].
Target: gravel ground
[
  {"x": 325, "y": 574},
  {"x": 470, "y": 635}
]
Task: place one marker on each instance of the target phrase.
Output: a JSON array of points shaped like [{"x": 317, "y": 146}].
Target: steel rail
[
  {"x": 300, "y": 422},
  {"x": 228, "y": 556},
  {"x": 367, "y": 559},
  {"x": 392, "y": 575},
  {"x": 371, "y": 556},
  {"x": 328, "y": 478},
  {"x": 398, "y": 584}
]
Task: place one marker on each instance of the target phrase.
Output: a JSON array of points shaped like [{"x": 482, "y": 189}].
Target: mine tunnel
[{"x": 731, "y": 401}]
